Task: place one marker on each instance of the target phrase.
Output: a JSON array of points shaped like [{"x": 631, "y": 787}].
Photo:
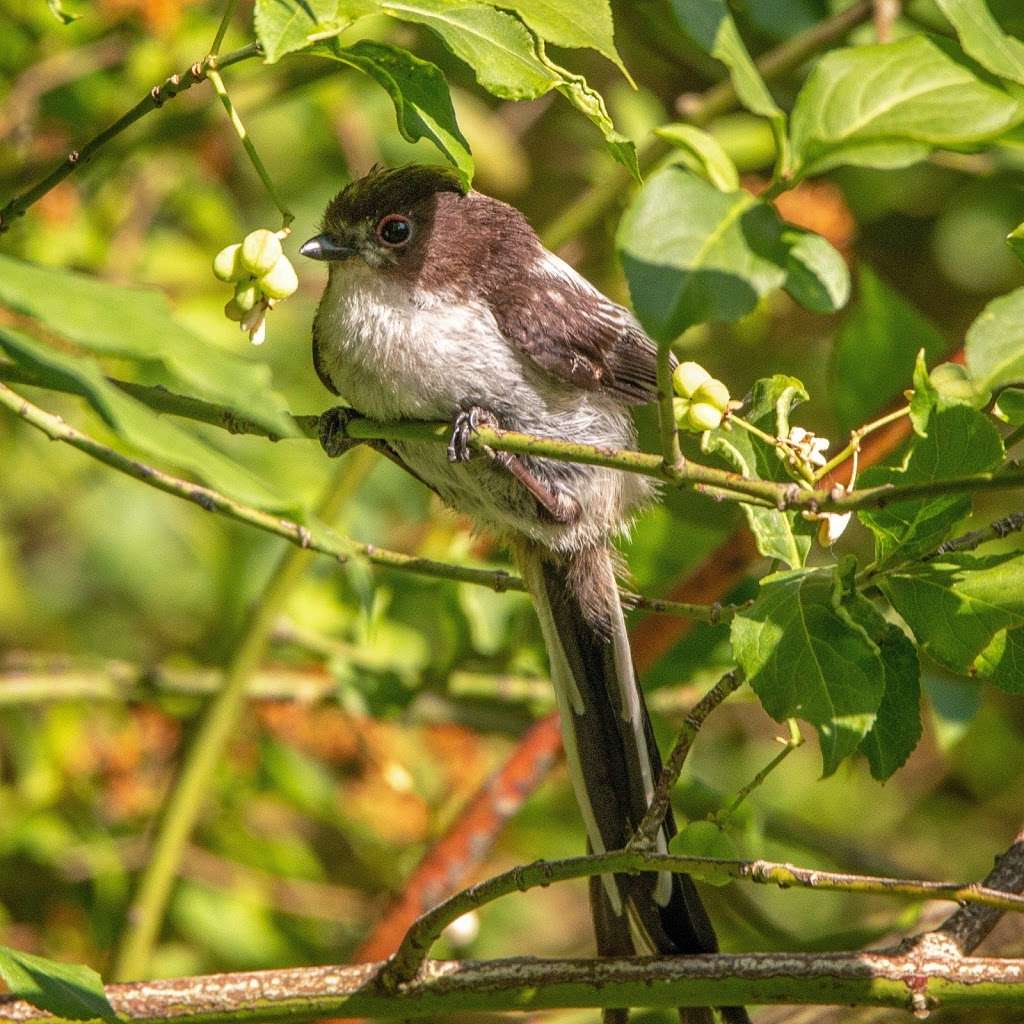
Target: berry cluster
[
  {"x": 703, "y": 400},
  {"x": 261, "y": 274}
]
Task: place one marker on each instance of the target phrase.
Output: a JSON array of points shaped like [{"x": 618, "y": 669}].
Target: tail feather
[{"x": 613, "y": 759}]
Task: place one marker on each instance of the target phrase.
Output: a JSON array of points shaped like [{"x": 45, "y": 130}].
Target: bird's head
[{"x": 386, "y": 219}]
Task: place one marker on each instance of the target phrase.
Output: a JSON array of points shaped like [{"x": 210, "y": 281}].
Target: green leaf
[
  {"x": 806, "y": 657},
  {"x": 783, "y": 535},
  {"x": 142, "y": 429},
  {"x": 874, "y": 354},
  {"x": 995, "y": 342},
  {"x": 956, "y": 605},
  {"x": 57, "y": 10},
  {"x": 816, "y": 274},
  {"x": 497, "y": 46},
  {"x": 711, "y": 26},
  {"x": 1015, "y": 240},
  {"x": 137, "y": 324},
  {"x": 705, "y": 155},
  {"x": 897, "y": 729},
  {"x": 1001, "y": 663},
  {"x": 284, "y": 26},
  {"x": 890, "y": 105},
  {"x": 960, "y": 441},
  {"x": 1009, "y": 407},
  {"x": 692, "y": 253},
  {"x": 72, "y": 991},
  {"x": 570, "y": 24},
  {"x": 983, "y": 39},
  {"x": 423, "y": 105}
]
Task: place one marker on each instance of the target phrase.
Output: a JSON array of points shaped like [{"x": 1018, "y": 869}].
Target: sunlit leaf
[
  {"x": 1001, "y": 663},
  {"x": 995, "y": 342},
  {"x": 705, "y": 155},
  {"x": 983, "y": 39},
  {"x": 71, "y": 991},
  {"x": 816, "y": 274}
]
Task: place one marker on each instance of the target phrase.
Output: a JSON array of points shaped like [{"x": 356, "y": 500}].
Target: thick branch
[{"x": 444, "y": 988}]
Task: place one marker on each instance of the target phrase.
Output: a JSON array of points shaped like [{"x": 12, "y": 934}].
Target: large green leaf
[
  {"x": 423, "y": 105},
  {"x": 692, "y": 253},
  {"x": 957, "y": 604},
  {"x": 570, "y": 23},
  {"x": 496, "y": 45},
  {"x": 995, "y": 342},
  {"x": 71, "y": 991},
  {"x": 284, "y": 26},
  {"x": 960, "y": 441},
  {"x": 138, "y": 324},
  {"x": 703, "y": 154},
  {"x": 1002, "y": 661},
  {"x": 982, "y": 38},
  {"x": 143, "y": 430},
  {"x": 783, "y": 535},
  {"x": 806, "y": 657},
  {"x": 890, "y": 105},
  {"x": 873, "y": 357},
  {"x": 816, "y": 274}
]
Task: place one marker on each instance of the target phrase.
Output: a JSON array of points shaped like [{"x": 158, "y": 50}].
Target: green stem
[
  {"x": 795, "y": 740},
  {"x": 418, "y": 941},
  {"x": 225, "y": 22},
  {"x": 155, "y": 98},
  {"x": 856, "y": 438},
  {"x": 247, "y": 144},
  {"x": 670, "y": 451}
]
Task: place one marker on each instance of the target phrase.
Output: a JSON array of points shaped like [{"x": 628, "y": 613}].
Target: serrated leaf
[
  {"x": 692, "y": 253},
  {"x": 497, "y": 46},
  {"x": 874, "y": 354},
  {"x": 712, "y": 28},
  {"x": 137, "y": 324},
  {"x": 570, "y": 24},
  {"x": 890, "y": 105},
  {"x": 143, "y": 430},
  {"x": 1001, "y": 663},
  {"x": 783, "y": 535},
  {"x": 960, "y": 441},
  {"x": 983, "y": 39},
  {"x": 419, "y": 91},
  {"x": 805, "y": 658},
  {"x": 897, "y": 729},
  {"x": 72, "y": 991},
  {"x": 1009, "y": 407},
  {"x": 995, "y": 342},
  {"x": 956, "y": 605},
  {"x": 705, "y": 154},
  {"x": 816, "y": 274}
]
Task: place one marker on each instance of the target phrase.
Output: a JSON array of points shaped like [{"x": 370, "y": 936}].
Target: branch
[
  {"x": 994, "y": 531},
  {"x": 156, "y": 97},
  {"x": 416, "y": 945}
]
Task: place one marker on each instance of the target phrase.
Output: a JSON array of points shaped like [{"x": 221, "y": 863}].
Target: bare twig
[{"x": 994, "y": 531}]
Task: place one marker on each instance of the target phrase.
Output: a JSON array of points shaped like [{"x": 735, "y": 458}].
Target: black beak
[{"x": 326, "y": 247}]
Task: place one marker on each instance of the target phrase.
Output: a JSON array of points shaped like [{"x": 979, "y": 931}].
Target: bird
[{"x": 442, "y": 303}]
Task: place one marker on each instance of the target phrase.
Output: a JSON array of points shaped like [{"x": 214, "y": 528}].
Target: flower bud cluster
[
  {"x": 262, "y": 276},
  {"x": 702, "y": 401}
]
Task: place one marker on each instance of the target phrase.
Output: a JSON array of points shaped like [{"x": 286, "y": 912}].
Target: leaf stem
[
  {"x": 857, "y": 436},
  {"x": 796, "y": 739},
  {"x": 225, "y": 22}
]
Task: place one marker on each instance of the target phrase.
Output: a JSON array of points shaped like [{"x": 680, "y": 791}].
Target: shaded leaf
[
  {"x": 805, "y": 657},
  {"x": 72, "y": 991},
  {"x": 959, "y": 441},
  {"x": 890, "y": 105},
  {"x": 1001, "y": 663},
  {"x": 284, "y": 26},
  {"x": 783, "y": 535},
  {"x": 419, "y": 91},
  {"x": 1009, "y": 406},
  {"x": 874, "y": 354},
  {"x": 995, "y": 342},
  {"x": 983, "y": 39},
  {"x": 705, "y": 155},
  {"x": 816, "y": 274},
  {"x": 138, "y": 324},
  {"x": 1015, "y": 240},
  {"x": 956, "y": 605},
  {"x": 692, "y": 253}
]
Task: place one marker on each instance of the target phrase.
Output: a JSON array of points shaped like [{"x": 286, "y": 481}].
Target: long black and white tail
[{"x": 612, "y": 757}]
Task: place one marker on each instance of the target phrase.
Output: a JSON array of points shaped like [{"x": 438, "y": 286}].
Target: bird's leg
[
  {"x": 332, "y": 425},
  {"x": 561, "y": 507}
]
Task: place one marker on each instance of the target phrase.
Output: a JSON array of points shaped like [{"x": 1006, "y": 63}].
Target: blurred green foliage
[{"x": 321, "y": 810}]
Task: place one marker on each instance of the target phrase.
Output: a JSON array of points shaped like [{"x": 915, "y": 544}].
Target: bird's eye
[{"x": 394, "y": 230}]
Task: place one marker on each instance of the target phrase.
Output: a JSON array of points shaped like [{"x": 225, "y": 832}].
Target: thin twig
[
  {"x": 795, "y": 739},
  {"x": 416, "y": 945},
  {"x": 994, "y": 531},
  {"x": 659, "y": 805},
  {"x": 156, "y": 97}
]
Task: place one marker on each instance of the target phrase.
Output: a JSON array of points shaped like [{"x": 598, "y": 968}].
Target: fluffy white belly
[{"x": 397, "y": 353}]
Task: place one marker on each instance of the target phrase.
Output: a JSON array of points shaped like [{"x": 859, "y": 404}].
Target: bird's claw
[
  {"x": 464, "y": 426},
  {"x": 332, "y": 428}
]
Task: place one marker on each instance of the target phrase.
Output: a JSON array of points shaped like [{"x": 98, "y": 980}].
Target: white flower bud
[
  {"x": 227, "y": 264},
  {"x": 261, "y": 249},
  {"x": 704, "y": 416},
  {"x": 832, "y": 526},
  {"x": 714, "y": 392},
  {"x": 280, "y": 281},
  {"x": 687, "y": 377}
]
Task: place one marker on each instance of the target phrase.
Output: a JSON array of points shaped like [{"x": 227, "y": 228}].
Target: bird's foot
[
  {"x": 465, "y": 424},
  {"x": 333, "y": 430}
]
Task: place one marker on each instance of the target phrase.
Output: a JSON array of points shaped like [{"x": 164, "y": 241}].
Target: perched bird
[{"x": 442, "y": 303}]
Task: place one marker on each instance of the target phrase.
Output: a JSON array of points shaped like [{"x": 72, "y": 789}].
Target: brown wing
[
  {"x": 321, "y": 370},
  {"x": 571, "y": 330}
]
